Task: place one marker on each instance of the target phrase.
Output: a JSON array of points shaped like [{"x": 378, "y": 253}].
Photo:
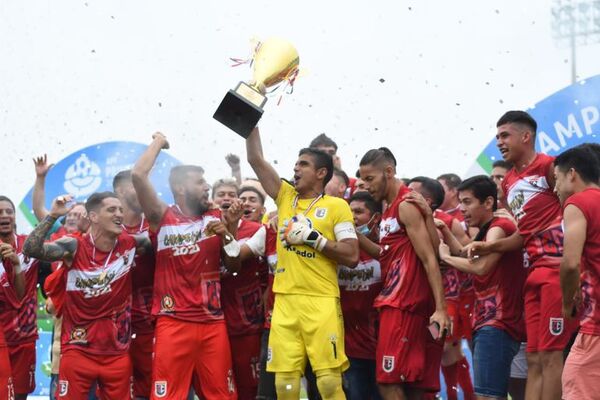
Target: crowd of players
[{"x": 365, "y": 287}]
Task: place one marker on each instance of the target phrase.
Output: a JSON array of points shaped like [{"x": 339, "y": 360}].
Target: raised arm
[
  {"x": 234, "y": 163},
  {"x": 154, "y": 208},
  {"x": 265, "y": 172},
  {"x": 481, "y": 265},
  {"x": 574, "y": 240},
  {"x": 39, "y": 187},
  {"x": 61, "y": 249},
  {"x": 17, "y": 280},
  {"x": 419, "y": 237}
]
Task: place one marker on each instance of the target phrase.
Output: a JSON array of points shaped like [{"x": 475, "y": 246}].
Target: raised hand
[
  {"x": 41, "y": 166},
  {"x": 62, "y": 205},
  {"x": 233, "y": 161},
  {"x": 159, "y": 137}
]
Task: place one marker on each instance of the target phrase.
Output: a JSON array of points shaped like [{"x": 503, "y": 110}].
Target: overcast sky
[{"x": 428, "y": 79}]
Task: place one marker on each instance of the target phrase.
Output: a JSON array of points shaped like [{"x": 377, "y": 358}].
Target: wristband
[{"x": 232, "y": 249}]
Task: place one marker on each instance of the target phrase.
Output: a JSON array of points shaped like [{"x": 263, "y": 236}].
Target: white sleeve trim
[
  {"x": 344, "y": 230},
  {"x": 257, "y": 242}
]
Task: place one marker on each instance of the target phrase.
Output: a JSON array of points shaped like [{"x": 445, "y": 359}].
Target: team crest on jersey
[
  {"x": 167, "y": 304},
  {"x": 78, "y": 336},
  {"x": 160, "y": 389},
  {"x": 556, "y": 326},
  {"x": 388, "y": 363},
  {"x": 320, "y": 213},
  {"x": 63, "y": 388}
]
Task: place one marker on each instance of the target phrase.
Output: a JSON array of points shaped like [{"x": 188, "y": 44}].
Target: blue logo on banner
[
  {"x": 93, "y": 168},
  {"x": 569, "y": 117}
]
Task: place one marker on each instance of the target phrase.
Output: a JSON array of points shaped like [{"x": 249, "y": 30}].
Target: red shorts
[
  {"x": 461, "y": 322},
  {"x": 6, "y": 386},
  {"x": 191, "y": 352},
  {"x": 406, "y": 353},
  {"x": 245, "y": 351},
  {"x": 79, "y": 370},
  {"x": 22, "y": 361},
  {"x": 141, "y": 359},
  {"x": 547, "y": 330}
]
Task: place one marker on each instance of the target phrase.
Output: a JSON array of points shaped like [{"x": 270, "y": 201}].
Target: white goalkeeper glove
[{"x": 298, "y": 231}]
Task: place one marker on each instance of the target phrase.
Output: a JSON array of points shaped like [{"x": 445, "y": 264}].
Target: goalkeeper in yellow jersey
[{"x": 316, "y": 234}]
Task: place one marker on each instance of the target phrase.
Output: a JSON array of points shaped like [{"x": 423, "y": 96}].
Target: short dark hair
[
  {"x": 253, "y": 190},
  {"x": 519, "y": 117},
  {"x": 321, "y": 160},
  {"x": 378, "y": 156},
  {"x": 4, "y": 198},
  {"x": 322, "y": 140},
  {"x": 452, "y": 180},
  {"x": 583, "y": 159},
  {"x": 121, "y": 177},
  {"x": 95, "y": 200},
  {"x": 502, "y": 164},
  {"x": 179, "y": 172},
  {"x": 433, "y": 188},
  {"x": 482, "y": 187},
  {"x": 341, "y": 174},
  {"x": 370, "y": 203}
]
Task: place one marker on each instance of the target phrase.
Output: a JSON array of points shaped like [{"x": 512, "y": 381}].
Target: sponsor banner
[{"x": 92, "y": 169}]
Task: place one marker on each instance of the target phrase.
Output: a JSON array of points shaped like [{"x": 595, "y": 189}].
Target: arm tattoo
[{"x": 35, "y": 247}]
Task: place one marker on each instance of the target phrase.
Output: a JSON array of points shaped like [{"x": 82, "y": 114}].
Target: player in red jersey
[
  {"x": 577, "y": 173},
  {"x": 241, "y": 296},
  {"x": 19, "y": 319},
  {"x": 498, "y": 282},
  {"x": 499, "y": 170},
  {"x": 142, "y": 274},
  {"x": 412, "y": 298},
  {"x": 253, "y": 200},
  {"x": 96, "y": 327},
  {"x": 359, "y": 287},
  {"x": 191, "y": 343},
  {"x": 12, "y": 289},
  {"x": 529, "y": 194},
  {"x": 455, "y": 366}
]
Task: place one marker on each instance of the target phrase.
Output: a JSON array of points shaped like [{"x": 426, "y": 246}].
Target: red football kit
[
  {"x": 241, "y": 298},
  {"x": 142, "y": 322},
  {"x": 358, "y": 288},
  {"x": 191, "y": 343},
  {"x": 587, "y": 202},
  {"x": 499, "y": 294},
  {"x": 7, "y": 298},
  {"x": 19, "y": 319},
  {"x": 96, "y": 327},
  {"x": 406, "y": 353},
  {"x": 538, "y": 214}
]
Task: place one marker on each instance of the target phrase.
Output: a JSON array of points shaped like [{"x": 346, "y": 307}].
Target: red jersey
[
  {"x": 186, "y": 278},
  {"x": 97, "y": 308},
  {"x": 241, "y": 294},
  {"x": 358, "y": 289},
  {"x": 8, "y": 297},
  {"x": 405, "y": 284},
  {"x": 19, "y": 318},
  {"x": 451, "y": 278},
  {"x": 499, "y": 294},
  {"x": 587, "y": 202},
  {"x": 271, "y": 259},
  {"x": 537, "y": 211},
  {"x": 142, "y": 277}
]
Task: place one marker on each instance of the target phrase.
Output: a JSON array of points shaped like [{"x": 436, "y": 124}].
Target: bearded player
[
  {"x": 412, "y": 298},
  {"x": 317, "y": 233},
  {"x": 191, "y": 343}
]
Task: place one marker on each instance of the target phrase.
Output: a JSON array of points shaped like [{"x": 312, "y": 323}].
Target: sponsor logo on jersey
[
  {"x": 160, "y": 389},
  {"x": 83, "y": 177},
  {"x": 556, "y": 326},
  {"x": 320, "y": 213},
  {"x": 167, "y": 304},
  {"x": 302, "y": 253},
  {"x": 78, "y": 336},
  {"x": 63, "y": 388},
  {"x": 388, "y": 363}
]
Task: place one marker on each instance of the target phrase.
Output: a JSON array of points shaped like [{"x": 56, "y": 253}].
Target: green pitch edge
[{"x": 485, "y": 163}]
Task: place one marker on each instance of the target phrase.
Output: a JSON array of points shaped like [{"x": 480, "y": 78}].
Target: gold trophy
[{"x": 274, "y": 61}]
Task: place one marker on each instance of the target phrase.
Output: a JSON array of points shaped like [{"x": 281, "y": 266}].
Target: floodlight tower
[{"x": 575, "y": 23}]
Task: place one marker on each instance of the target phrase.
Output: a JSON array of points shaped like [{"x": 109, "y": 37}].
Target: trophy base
[{"x": 241, "y": 109}]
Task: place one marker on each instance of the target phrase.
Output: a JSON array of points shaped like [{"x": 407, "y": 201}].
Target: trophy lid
[{"x": 274, "y": 61}]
